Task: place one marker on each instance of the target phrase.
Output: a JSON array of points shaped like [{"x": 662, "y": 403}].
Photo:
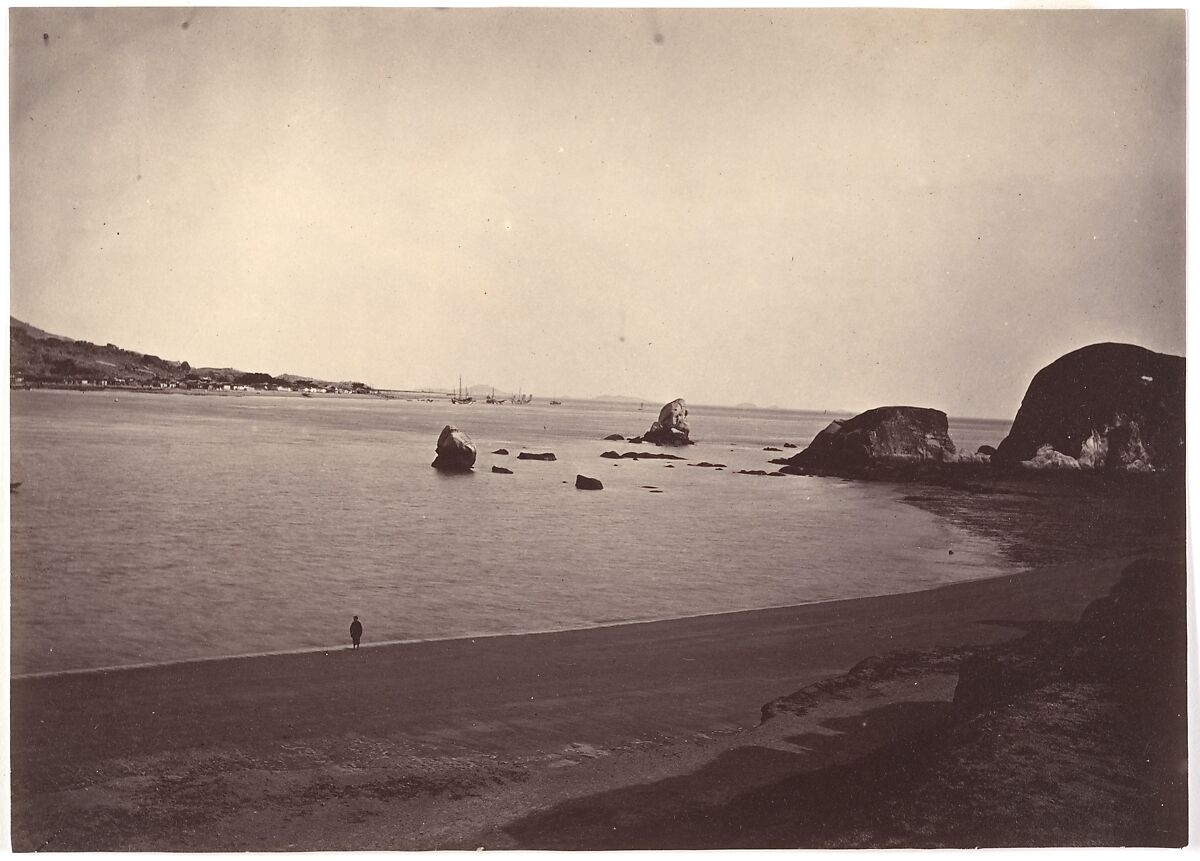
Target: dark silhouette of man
[{"x": 355, "y": 631}]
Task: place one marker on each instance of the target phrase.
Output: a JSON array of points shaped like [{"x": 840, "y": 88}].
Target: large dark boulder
[
  {"x": 1109, "y": 406},
  {"x": 884, "y": 434},
  {"x": 671, "y": 427},
  {"x": 1135, "y": 637},
  {"x": 455, "y": 451}
]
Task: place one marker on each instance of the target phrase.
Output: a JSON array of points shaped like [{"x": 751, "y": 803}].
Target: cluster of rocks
[
  {"x": 640, "y": 455},
  {"x": 1114, "y": 407}
]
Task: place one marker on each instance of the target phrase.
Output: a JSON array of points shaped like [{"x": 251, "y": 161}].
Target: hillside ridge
[{"x": 41, "y": 359}]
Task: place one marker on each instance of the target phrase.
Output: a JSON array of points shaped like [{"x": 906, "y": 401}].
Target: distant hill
[
  {"x": 40, "y": 358},
  {"x": 34, "y": 332}
]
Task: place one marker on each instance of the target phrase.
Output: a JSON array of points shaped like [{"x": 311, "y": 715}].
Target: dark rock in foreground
[
  {"x": 529, "y": 455},
  {"x": 455, "y": 451},
  {"x": 884, "y": 434},
  {"x": 671, "y": 427},
  {"x": 1073, "y": 735},
  {"x": 583, "y": 482},
  {"x": 1108, "y": 406}
]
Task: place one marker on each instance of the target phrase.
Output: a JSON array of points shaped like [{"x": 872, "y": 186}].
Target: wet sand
[{"x": 443, "y": 744}]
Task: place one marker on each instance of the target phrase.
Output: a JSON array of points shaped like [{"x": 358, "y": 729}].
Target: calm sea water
[{"x": 164, "y": 527}]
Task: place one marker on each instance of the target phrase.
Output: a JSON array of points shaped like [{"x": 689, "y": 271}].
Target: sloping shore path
[{"x": 430, "y": 745}]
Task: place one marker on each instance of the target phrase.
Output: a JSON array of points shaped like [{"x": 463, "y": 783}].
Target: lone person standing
[{"x": 355, "y": 632}]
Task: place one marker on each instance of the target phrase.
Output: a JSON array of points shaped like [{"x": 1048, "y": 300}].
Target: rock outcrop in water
[
  {"x": 1107, "y": 406},
  {"x": 455, "y": 451},
  {"x": 881, "y": 435},
  {"x": 671, "y": 427},
  {"x": 584, "y": 482}
]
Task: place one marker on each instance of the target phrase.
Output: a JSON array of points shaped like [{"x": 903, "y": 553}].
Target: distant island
[{"x": 39, "y": 359}]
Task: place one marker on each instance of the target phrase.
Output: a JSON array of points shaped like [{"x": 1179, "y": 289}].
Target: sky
[{"x": 823, "y": 209}]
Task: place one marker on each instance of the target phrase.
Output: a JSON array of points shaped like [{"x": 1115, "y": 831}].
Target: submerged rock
[
  {"x": 455, "y": 451},
  {"x": 502, "y": 470},
  {"x": 1107, "y": 406},
  {"x": 888, "y": 434},
  {"x": 529, "y": 455},
  {"x": 641, "y": 455},
  {"x": 500, "y": 451},
  {"x": 614, "y": 436},
  {"x": 671, "y": 427},
  {"x": 583, "y": 482}
]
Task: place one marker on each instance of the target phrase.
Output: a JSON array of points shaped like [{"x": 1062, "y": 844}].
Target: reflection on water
[{"x": 161, "y": 527}]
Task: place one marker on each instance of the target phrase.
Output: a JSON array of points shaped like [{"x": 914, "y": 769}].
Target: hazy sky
[{"x": 828, "y": 209}]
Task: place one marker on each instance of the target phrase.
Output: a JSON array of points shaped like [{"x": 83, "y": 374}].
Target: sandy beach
[
  {"x": 749, "y": 428},
  {"x": 447, "y": 744}
]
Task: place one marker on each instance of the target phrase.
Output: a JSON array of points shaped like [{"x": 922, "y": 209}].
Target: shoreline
[
  {"x": 599, "y": 626},
  {"x": 526, "y": 702},
  {"x": 1017, "y": 518}
]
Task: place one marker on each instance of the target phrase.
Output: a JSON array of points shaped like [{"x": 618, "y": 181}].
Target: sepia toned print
[{"x": 596, "y": 429}]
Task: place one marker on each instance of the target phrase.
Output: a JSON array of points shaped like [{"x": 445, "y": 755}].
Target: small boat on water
[{"x": 460, "y": 396}]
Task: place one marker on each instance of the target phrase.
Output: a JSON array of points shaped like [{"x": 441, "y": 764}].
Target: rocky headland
[
  {"x": 1113, "y": 408},
  {"x": 1106, "y": 406}
]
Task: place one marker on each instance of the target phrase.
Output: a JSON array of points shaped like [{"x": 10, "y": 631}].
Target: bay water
[{"x": 162, "y": 527}]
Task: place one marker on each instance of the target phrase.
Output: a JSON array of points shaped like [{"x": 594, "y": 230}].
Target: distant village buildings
[{"x": 189, "y": 383}]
